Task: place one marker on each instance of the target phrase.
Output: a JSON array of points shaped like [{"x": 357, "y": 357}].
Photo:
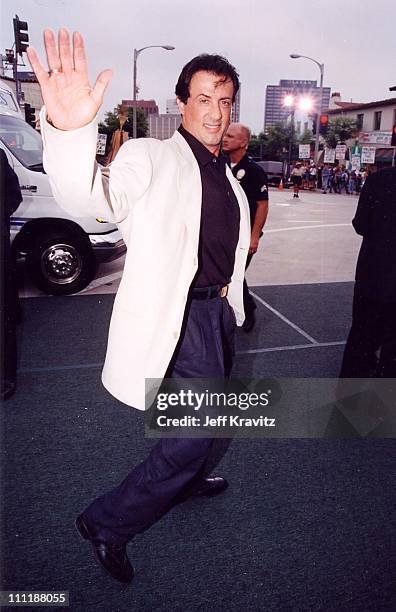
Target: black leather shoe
[
  {"x": 210, "y": 486},
  {"x": 113, "y": 558},
  {"x": 249, "y": 322}
]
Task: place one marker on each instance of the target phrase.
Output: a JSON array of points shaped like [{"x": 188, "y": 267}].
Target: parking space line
[
  {"x": 291, "y": 347},
  {"x": 86, "y": 366},
  {"x": 78, "y": 366},
  {"x": 304, "y": 227},
  {"x": 104, "y": 280},
  {"x": 283, "y": 318}
]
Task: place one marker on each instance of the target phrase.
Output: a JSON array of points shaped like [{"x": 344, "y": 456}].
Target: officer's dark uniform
[
  {"x": 374, "y": 303},
  {"x": 254, "y": 182}
]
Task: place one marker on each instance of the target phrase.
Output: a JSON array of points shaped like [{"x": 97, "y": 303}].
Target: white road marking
[
  {"x": 292, "y": 347},
  {"x": 302, "y": 227},
  {"x": 103, "y": 280},
  {"x": 285, "y": 319}
]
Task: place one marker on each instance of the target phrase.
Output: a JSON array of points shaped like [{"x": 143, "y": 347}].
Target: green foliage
[
  {"x": 340, "y": 130},
  {"x": 307, "y": 138},
  {"x": 257, "y": 145},
  {"x": 277, "y": 143}
]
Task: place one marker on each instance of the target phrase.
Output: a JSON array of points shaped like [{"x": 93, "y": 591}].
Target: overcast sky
[{"x": 355, "y": 40}]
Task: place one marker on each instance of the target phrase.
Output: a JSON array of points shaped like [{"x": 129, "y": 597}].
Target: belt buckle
[{"x": 224, "y": 291}]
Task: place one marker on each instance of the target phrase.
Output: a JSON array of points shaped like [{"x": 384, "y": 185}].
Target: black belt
[{"x": 208, "y": 293}]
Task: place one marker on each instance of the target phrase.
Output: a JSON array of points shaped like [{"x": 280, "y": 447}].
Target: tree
[
  {"x": 257, "y": 145},
  {"x": 340, "y": 130},
  {"x": 111, "y": 123},
  {"x": 307, "y": 138},
  {"x": 277, "y": 143}
]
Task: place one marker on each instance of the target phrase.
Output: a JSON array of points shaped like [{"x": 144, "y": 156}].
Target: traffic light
[
  {"x": 323, "y": 124},
  {"x": 393, "y": 139},
  {"x": 21, "y": 35},
  {"x": 30, "y": 115},
  {"x": 314, "y": 121}
]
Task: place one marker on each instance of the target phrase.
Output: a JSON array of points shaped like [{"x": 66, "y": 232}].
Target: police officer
[{"x": 253, "y": 180}]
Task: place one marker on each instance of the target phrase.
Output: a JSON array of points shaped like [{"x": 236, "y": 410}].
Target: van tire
[{"x": 61, "y": 262}]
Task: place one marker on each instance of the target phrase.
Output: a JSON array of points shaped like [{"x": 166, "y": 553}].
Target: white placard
[
  {"x": 101, "y": 144},
  {"x": 304, "y": 151},
  {"x": 329, "y": 156},
  {"x": 340, "y": 152},
  {"x": 355, "y": 162},
  {"x": 368, "y": 155}
]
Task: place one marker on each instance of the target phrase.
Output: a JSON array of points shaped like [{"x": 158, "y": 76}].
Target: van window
[{"x": 22, "y": 141}]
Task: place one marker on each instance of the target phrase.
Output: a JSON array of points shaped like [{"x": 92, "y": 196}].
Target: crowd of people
[{"x": 328, "y": 178}]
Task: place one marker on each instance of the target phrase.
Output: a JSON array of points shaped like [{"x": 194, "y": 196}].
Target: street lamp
[
  {"x": 292, "y": 103},
  {"x": 289, "y": 103},
  {"x": 321, "y": 68},
  {"x": 136, "y": 53}
]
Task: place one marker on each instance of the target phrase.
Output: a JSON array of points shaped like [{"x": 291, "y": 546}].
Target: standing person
[
  {"x": 374, "y": 301},
  {"x": 312, "y": 177},
  {"x": 326, "y": 176},
  {"x": 174, "y": 309},
  {"x": 10, "y": 198},
  {"x": 254, "y": 182},
  {"x": 352, "y": 182},
  {"x": 297, "y": 176}
]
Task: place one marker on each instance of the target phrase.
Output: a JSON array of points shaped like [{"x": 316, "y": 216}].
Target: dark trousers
[
  {"x": 249, "y": 304},
  {"x": 175, "y": 466},
  {"x": 373, "y": 330}
]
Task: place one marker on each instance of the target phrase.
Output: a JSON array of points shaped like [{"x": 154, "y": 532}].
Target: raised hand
[{"x": 69, "y": 99}]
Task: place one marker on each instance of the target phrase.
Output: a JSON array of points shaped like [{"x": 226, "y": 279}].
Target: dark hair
[{"x": 210, "y": 63}]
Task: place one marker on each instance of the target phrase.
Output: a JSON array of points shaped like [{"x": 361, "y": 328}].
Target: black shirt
[
  {"x": 220, "y": 218},
  {"x": 253, "y": 181}
]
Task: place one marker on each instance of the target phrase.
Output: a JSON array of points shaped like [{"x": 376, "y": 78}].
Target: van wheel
[{"x": 61, "y": 262}]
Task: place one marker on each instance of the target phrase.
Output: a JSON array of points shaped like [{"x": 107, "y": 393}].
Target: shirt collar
[{"x": 202, "y": 154}]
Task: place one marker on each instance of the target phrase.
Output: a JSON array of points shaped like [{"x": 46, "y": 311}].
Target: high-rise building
[
  {"x": 171, "y": 107},
  {"x": 236, "y": 107},
  {"x": 276, "y": 111},
  {"x": 163, "y": 126}
]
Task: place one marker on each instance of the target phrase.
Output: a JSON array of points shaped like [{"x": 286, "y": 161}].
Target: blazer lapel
[{"x": 189, "y": 189}]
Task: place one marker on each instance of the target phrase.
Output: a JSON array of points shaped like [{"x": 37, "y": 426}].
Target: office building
[
  {"x": 275, "y": 110},
  {"x": 163, "y": 126}
]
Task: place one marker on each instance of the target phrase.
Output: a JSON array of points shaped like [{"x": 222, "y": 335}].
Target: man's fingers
[
  {"x": 80, "y": 61},
  {"x": 53, "y": 58},
  {"x": 65, "y": 51},
  {"x": 41, "y": 74},
  {"x": 100, "y": 86}
]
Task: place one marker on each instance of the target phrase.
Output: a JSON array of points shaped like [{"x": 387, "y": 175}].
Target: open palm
[{"x": 69, "y": 99}]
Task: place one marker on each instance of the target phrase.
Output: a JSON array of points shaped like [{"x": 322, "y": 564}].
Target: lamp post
[
  {"x": 292, "y": 103},
  {"x": 321, "y": 68},
  {"x": 136, "y": 53},
  {"x": 288, "y": 102}
]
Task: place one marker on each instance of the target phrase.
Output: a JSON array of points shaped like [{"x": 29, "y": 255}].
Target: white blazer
[{"x": 153, "y": 191}]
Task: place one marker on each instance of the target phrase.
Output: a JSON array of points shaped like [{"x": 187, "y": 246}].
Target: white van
[{"x": 61, "y": 251}]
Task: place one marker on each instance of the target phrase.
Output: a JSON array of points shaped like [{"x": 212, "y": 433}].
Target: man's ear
[{"x": 181, "y": 105}]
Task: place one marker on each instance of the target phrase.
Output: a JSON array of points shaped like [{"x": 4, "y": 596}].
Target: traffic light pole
[
  {"x": 18, "y": 89},
  {"x": 21, "y": 44}
]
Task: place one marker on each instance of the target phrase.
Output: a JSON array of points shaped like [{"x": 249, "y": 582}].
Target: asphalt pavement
[{"x": 305, "y": 525}]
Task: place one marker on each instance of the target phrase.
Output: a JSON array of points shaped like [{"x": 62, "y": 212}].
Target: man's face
[
  {"x": 206, "y": 114},
  {"x": 234, "y": 139}
]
